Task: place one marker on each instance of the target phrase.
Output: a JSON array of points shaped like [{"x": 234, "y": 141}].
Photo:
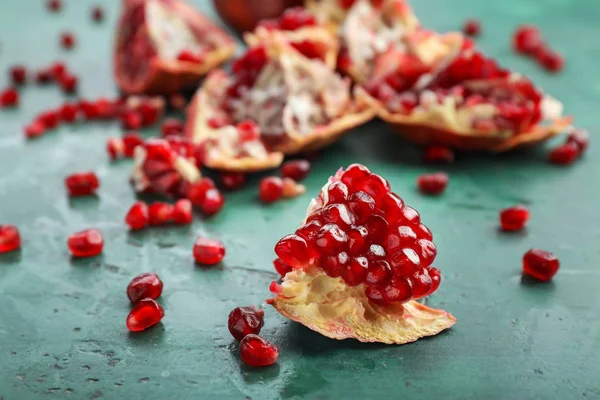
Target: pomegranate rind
[{"x": 330, "y": 307}]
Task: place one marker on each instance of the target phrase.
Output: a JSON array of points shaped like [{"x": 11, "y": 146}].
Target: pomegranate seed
[
  {"x": 438, "y": 155},
  {"x": 67, "y": 40},
  {"x": 362, "y": 205},
  {"x": 514, "y": 218},
  {"x": 49, "y": 119},
  {"x": 346, "y": 4},
  {"x": 376, "y": 186},
  {"x": 114, "y": 148},
  {"x": 472, "y": 27},
  {"x": 82, "y": 184},
  {"x": 281, "y": 267},
  {"x": 399, "y": 238},
  {"x": 258, "y": 352},
  {"x": 338, "y": 214},
  {"x": 144, "y": 286},
  {"x": 131, "y": 140},
  {"x": 197, "y": 191},
  {"x": 423, "y": 232},
  {"x": 309, "y": 230},
  {"x": 217, "y": 122},
  {"x": 356, "y": 271},
  {"x": 160, "y": 213},
  {"x": 421, "y": 284},
  {"x": 433, "y": 183},
  {"x": 54, "y": 5},
  {"x": 68, "y": 112},
  {"x": 405, "y": 262},
  {"x": 188, "y": 56},
  {"x": 131, "y": 120},
  {"x": 565, "y": 154},
  {"x": 18, "y": 74},
  {"x": 540, "y": 264},
  {"x": 527, "y": 39},
  {"x": 177, "y": 101},
  {"x": 57, "y": 70},
  {"x": 398, "y": 290},
  {"x": 87, "y": 243},
  {"x": 182, "y": 212},
  {"x": 171, "y": 126},
  {"x": 271, "y": 189},
  {"x": 426, "y": 251},
  {"x": 337, "y": 192},
  {"x": 293, "y": 250},
  {"x": 580, "y": 138},
  {"x": 68, "y": 83},
  {"x": 138, "y": 216},
  {"x": 379, "y": 273},
  {"x": 208, "y": 251},
  {"x": 232, "y": 180},
  {"x": 335, "y": 265},
  {"x": 146, "y": 313},
  {"x": 551, "y": 60},
  {"x": 248, "y": 130},
  {"x": 34, "y": 130},
  {"x": 9, "y": 98},
  {"x": 330, "y": 240},
  {"x": 97, "y": 13},
  {"x": 43, "y": 77},
  {"x": 296, "y": 169},
  {"x": 244, "y": 321},
  {"x": 212, "y": 203},
  {"x": 357, "y": 240},
  {"x": 10, "y": 239}
]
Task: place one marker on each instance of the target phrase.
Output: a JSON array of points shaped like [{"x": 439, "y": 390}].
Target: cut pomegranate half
[
  {"x": 296, "y": 104},
  {"x": 359, "y": 261},
  {"x": 153, "y": 36},
  {"x": 466, "y": 101}
]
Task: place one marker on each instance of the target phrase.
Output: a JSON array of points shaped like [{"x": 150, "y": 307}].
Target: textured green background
[{"x": 62, "y": 322}]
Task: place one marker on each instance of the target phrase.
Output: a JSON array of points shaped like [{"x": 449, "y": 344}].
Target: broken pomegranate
[
  {"x": 514, "y": 218},
  {"x": 270, "y": 189},
  {"x": 160, "y": 213},
  {"x": 296, "y": 169},
  {"x": 143, "y": 286},
  {"x": 146, "y": 313},
  {"x": 9, "y": 98},
  {"x": 472, "y": 27},
  {"x": 565, "y": 154},
  {"x": 10, "y": 240},
  {"x": 359, "y": 261},
  {"x": 208, "y": 251},
  {"x": 244, "y": 321},
  {"x": 540, "y": 264},
  {"x": 82, "y": 184},
  {"x": 433, "y": 184},
  {"x": 258, "y": 352},
  {"x": 18, "y": 74},
  {"x": 87, "y": 243},
  {"x": 138, "y": 216},
  {"x": 153, "y": 33},
  {"x": 182, "y": 212}
]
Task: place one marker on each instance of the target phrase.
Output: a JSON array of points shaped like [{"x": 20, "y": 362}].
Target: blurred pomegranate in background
[{"x": 243, "y": 15}]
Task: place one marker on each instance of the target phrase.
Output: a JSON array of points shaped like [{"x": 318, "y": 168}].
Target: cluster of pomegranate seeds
[
  {"x": 144, "y": 286},
  {"x": 9, "y": 98},
  {"x": 171, "y": 126},
  {"x": 540, "y": 264},
  {"x": 67, "y": 40},
  {"x": 438, "y": 155},
  {"x": 433, "y": 184},
  {"x": 246, "y": 69},
  {"x": 208, "y": 251},
  {"x": 296, "y": 169},
  {"x": 244, "y": 321},
  {"x": 281, "y": 267},
  {"x": 205, "y": 195},
  {"x": 18, "y": 74},
  {"x": 472, "y": 27},
  {"x": 10, "y": 239},
  {"x": 87, "y": 243},
  {"x": 232, "y": 180},
  {"x": 138, "y": 216},
  {"x": 82, "y": 184},
  {"x": 270, "y": 189},
  {"x": 527, "y": 40},
  {"x": 291, "y": 20},
  {"x": 160, "y": 213},
  {"x": 365, "y": 234},
  {"x": 146, "y": 313},
  {"x": 97, "y": 13},
  {"x": 123, "y": 147},
  {"x": 514, "y": 218},
  {"x": 54, "y": 5}
]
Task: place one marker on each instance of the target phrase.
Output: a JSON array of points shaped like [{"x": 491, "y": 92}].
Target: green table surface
[{"x": 62, "y": 321}]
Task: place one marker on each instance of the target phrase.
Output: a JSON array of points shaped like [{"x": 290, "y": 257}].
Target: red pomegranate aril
[
  {"x": 296, "y": 169},
  {"x": 565, "y": 154},
  {"x": 527, "y": 39},
  {"x": 337, "y": 214},
  {"x": 399, "y": 237},
  {"x": 160, "y": 213},
  {"x": 335, "y": 265},
  {"x": 82, "y": 184},
  {"x": 410, "y": 215},
  {"x": 258, "y": 352},
  {"x": 10, "y": 239},
  {"x": 551, "y": 60},
  {"x": 356, "y": 271},
  {"x": 293, "y": 250},
  {"x": 54, "y": 5},
  {"x": 208, "y": 251},
  {"x": 212, "y": 203},
  {"x": 67, "y": 40},
  {"x": 131, "y": 140},
  {"x": 331, "y": 240},
  {"x": 379, "y": 273},
  {"x": 362, "y": 205},
  {"x": 423, "y": 232},
  {"x": 182, "y": 212},
  {"x": 9, "y": 98},
  {"x": 393, "y": 206},
  {"x": 197, "y": 191},
  {"x": 426, "y": 251},
  {"x": 309, "y": 230},
  {"x": 87, "y": 243},
  {"x": 138, "y": 216},
  {"x": 114, "y": 148},
  {"x": 433, "y": 184},
  {"x": 34, "y": 130},
  {"x": 354, "y": 176},
  {"x": 18, "y": 74},
  {"x": 514, "y": 218},
  {"x": 248, "y": 130},
  {"x": 271, "y": 189},
  {"x": 144, "y": 286},
  {"x": 376, "y": 187},
  {"x": 472, "y": 27},
  {"x": 146, "y": 313},
  {"x": 399, "y": 290},
  {"x": 57, "y": 70},
  {"x": 68, "y": 83},
  {"x": 131, "y": 120},
  {"x": 375, "y": 253},
  {"x": 438, "y": 155},
  {"x": 337, "y": 192},
  {"x": 421, "y": 283},
  {"x": 540, "y": 264},
  {"x": 97, "y": 13},
  {"x": 580, "y": 138},
  {"x": 377, "y": 227},
  {"x": 281, "y": 267},
  {"x": 244, "y": 321},
  {"x": 232, "y": 180},
  {"x": 405, "y": 262},
  {"x": 68, "y": 112},
  {"x": 171, "y": 126},
  {"x": 435, "y": 276},
  {"x": 177, "y": 101},
  {"x": 43, "y": 77},
  {"x": 357, "y": 240},
  {"x": 49, "y": 119}
]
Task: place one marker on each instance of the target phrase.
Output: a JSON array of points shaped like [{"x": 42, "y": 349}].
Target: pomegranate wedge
[
  {"x": 166, "y": 46},
  {"x": 359, "y": 261}
]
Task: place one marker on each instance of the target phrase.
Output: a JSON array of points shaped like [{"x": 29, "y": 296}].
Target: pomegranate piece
[
  {"x": 57, "y": 69},
  {"x": 182, "y": 212},
  {"x": 171, "y": 126},
  {"x": 271, "y": 189},
  {"x": 281, "y": 267},
  {"x": 212, "y": 203},
  {"x": 366, "y": 246},
  {"x": 138, "y": 216},
  {"x": 54, "y": 5},
  {"x": 82, "y": 184},
  {"x": 150, "y": 37},
  {"x": 131, "y": 140},
  {"x": 68, "y": 112},
  {"x": 131, "y": 120},
  {"x": 581, "y": 138},
  {"x": 232, "y": 180},
  {"x": 433, "y": 184},
  {"x": 527, "y": 40},
  {"x": 208, "y": 251},
  {"x": 565, "y": 154},
  {"x": 514, "y": 218},
  {"x": 34, "y": 130},
  {"x": 160, "y": 213},
  {"x": 197, "y": 191},
  {"x": 97, "y": 13},
  {"x": 10, "y": 239},
  {"x": 49, "y": 119},
  {"x": 146, "y": 313},
  {"x": 296, "y": 169},
  {"x": 18, "y": 74},
  {"x": 67, "y": 40},
  {"x": 540, "y": 264},
  {"x": 550, "y": 60},
  {"x": 472, "y": 27},
  {"x": 438, "y": 155},
  {"x": 87, "y": 243},
  {"x": 9, "y": 98},
  {"x": 244, "y": 321},
  {"x": 258, "y": 352},
  {"x": 144, "y": 286},
  {"x": 68, "y": 83}
]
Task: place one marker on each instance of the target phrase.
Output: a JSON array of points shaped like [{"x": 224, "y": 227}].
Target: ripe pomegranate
[
  {"x": 244, "y": 321},
  {"x": 82, "y": 184},
  {"x": 540, "y": 264},
  {"x": 208, "y": 251},
  {"x": 296, "y": 169},
  {"x": 362, "y": 244},
  {"x": 472, "y": 27},
  {"x": 258, "y": 352},
  {"x": 145, "y": 313},
  {"x": 18, "y": 74},
  {"x": 87, "y": 243},
  {"x": 271, "y": 189},
  {"x": 10, "y": 239},
  {"x": 151, "y": 35},
  {"x": 433, "y": 184},
  {"x": 514, "y": 218},
  {"x": 143, "y": 286},
  {"x": 138, "y": 216}
]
